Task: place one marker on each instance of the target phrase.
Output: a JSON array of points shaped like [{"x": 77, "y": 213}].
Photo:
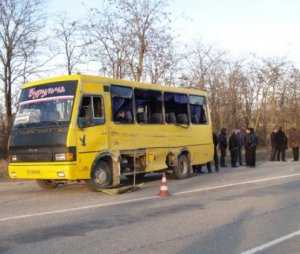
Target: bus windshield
[{"x": 45, "y": 106}]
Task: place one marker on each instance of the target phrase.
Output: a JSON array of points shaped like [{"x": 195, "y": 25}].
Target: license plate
[{"x": 33, "y": 172}]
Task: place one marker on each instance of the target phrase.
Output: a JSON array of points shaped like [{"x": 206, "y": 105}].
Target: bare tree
[
  {"x": 161, "y": 58},
  {"x": 109, "y": 38},
  {"x": 20, "y": 23},
  {"x": 205, "y": 67},
  {"x": 145, "y": 19},
  {"x": 69, "y": 43},
  {"x": 124, "y": 32}
]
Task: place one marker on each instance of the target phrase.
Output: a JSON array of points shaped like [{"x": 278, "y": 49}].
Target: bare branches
[
  {"x": 20, "y": 22},
  {"x": 125, "y": 33},
  {"x": 133, "y": 39},
  {"x": 69, "y": 43},
  {"x": 259, "y": 92}
]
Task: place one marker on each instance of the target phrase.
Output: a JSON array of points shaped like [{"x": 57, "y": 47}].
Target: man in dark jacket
[
  {"x": 223, "y": 146},
  {"x": 250, "y": 147},
  {"x": 241, "y": 143},
  {"x": 216, "y": 157},
  {"x": 233, "y": 147},
  {"x": 273, "y": 144},
  {"x": 281, "y": 144},
  {"x": 294, "y": 142}
]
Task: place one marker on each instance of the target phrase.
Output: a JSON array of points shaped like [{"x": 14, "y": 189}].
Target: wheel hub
[
  {"x": 100, "y": 176},
  {"x": 184, "y": 167}
]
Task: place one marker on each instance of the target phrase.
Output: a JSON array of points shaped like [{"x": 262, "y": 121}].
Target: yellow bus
[{"x": 97, "y": 129}]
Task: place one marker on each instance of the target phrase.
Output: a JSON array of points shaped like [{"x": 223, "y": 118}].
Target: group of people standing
[
  {"x": 239, "y": 140},
  {"x": 280, "y": 143},
  {"x": 246, "y": 139}
]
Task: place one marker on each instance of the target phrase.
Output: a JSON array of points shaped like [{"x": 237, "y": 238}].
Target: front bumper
[{"x": 33, "y": 171}]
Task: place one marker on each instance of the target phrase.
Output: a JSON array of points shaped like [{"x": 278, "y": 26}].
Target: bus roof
[{"x": 99, "y": 79}]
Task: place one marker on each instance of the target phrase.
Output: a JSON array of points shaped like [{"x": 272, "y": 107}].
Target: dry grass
[{"x": 3, "y": 169}]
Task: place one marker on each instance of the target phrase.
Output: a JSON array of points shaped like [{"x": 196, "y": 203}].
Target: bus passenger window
[
  {"x": 97, "y": 102},
  {"x": 176, "y": 107},
  {"x": 91, "y": 111},
  {"x": 86, "y": 108},
  {"x": 148, "y": 105},
  {"x": 98, "y": 110},
  {"x": 122, "y": 106},
  {"x": 198, "y": 109}
]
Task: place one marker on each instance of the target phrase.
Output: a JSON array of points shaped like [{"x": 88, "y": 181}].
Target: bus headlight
[
  {"x": 13, "y": 158},
  {"x": 13, "y": 174},
  {"x": 69, "y": 156},
  {"x": 61, "y": 174}
]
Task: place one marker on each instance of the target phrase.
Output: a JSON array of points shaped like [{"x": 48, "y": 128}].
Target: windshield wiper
[
  {"x": 20, "y": 125},
  {"x": 53, "y": 123}
]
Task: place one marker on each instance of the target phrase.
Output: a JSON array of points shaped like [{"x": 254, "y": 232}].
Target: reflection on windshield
[{"x": 42, "y": 112}]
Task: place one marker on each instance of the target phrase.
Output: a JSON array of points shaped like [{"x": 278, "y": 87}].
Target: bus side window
[
  {"x": 91, "y": 111},
  {"x": 198, "y": 109},
  {"x": 98, "y": 110},
  {"x": 122, "y": 105},
  {"x": 176, "y": 107},
  {"x": 148, "y": 105},
  {"x": 85, "y": 111}
]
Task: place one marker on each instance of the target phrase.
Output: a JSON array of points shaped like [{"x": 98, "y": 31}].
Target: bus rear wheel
[
  {"x": 101, "y": 177},
  {"x": 182, "y": 169},
  {"x": 47, "y": 184}
]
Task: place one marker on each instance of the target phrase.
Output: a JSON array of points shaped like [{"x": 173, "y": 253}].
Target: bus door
[{"x": 92, "y": 133}]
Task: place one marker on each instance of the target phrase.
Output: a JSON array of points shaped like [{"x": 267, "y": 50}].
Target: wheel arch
[
  {"x": 105, "y": 156},
  {"x": 185, "y": 151}
]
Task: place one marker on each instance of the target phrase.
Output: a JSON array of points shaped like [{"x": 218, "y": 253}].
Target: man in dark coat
[
  {"x": 250, "y": 147},
  {"x": 294, "y": 142},
  {"x": 216, "y": 156},
  {"x": 223, "y": 146},
  {"x": 241, "y": 142},
  {"x": 233, "y": 147},
  {"x": 273, "y": 144},
  {"x": 281, "y": 144}
]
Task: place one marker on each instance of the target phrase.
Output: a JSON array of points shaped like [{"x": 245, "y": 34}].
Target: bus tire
[
  {"x": 182, "y": 170},
  {"x": 101, "y": 176},
  {"x": 47, "y": 184}
]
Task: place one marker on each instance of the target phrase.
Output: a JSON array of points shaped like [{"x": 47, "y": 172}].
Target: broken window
[
  {"x": 176, "y": 107},
  {"x": 122, "y": 106},
  {"x": 198, "y": 109},
  {"x": 91, "y": 110},
  {"x": 148, "y": 105}
]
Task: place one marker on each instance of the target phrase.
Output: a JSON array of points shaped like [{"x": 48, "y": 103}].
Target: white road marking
[
  {"x": 81, "y": 208},
  {"x": 236, "y": 184},
  {"x": 272, "y": 243}
]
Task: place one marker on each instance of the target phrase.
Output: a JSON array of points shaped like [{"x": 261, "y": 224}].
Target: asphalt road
[{"x": 242, "y": 210}]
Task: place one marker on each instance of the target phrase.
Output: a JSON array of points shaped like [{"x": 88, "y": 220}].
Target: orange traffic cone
[{"x": 164, "y": 192}]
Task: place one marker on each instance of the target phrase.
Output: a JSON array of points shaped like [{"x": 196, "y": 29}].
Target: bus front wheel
[
  {"x": 101, "y": 177},
  {"x": 47, "y": 184},
  {"x": 182, "y": 169}
]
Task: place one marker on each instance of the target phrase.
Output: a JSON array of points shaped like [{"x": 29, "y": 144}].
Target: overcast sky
[{"x": 264, "y": 27}]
